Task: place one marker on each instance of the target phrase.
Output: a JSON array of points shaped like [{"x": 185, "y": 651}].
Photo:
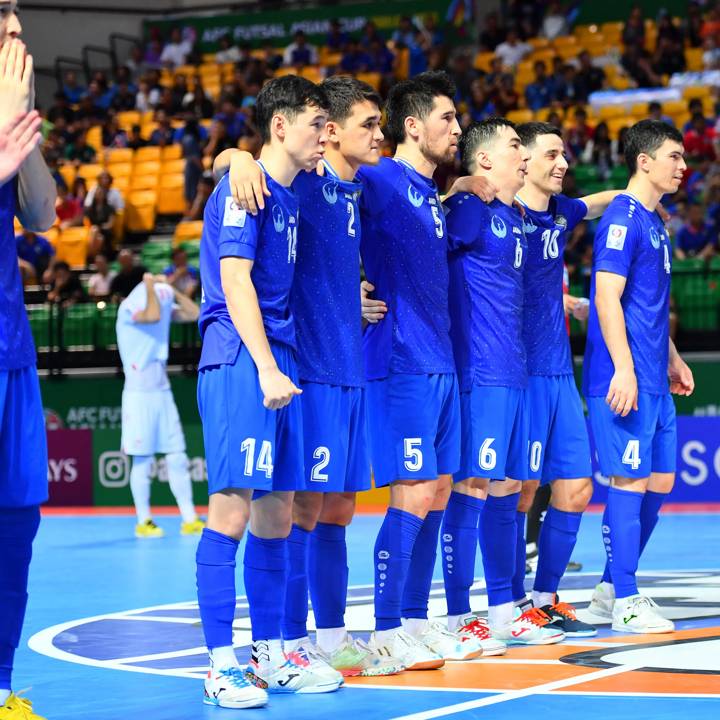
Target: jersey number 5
[{"x": 413, "y": 454}]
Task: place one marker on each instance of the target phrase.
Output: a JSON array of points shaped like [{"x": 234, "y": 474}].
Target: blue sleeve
[
  {"x": 239, "y": 230},
  {"x": 376, "y": 188},
  {"x": 616, "y": 238},
  {"x": 464, "y": 216},
  {"x": 574, "y": 210}
]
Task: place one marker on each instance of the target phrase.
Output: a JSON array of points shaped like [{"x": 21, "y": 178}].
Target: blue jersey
[
  {"x": 404, "y": 251},
  {"x": 544, "y": 330},
  {"x": 632, "y": 241},
  {"x": 488, "y": 254},
  {"x": 325, "y": 298},
  {"x": 269, "y": 239},
  {"x": 17, "y": 349}
]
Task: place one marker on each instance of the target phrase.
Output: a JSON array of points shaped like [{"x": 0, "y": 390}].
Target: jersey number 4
[
  {"x": 631, "y": 456},
  {"x": 264, "y": 459}
]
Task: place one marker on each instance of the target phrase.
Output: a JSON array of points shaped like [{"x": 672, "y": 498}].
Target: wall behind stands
[{"x": 599, "y": 12}]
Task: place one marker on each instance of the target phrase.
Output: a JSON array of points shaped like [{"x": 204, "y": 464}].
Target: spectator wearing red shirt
[
  {"x": 69, "y": 209},
  {"x": 698, "y": 140}
]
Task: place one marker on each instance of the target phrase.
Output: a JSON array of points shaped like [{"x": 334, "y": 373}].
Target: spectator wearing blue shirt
[
  {"x": 541, "y": 92},
  {"x": 381, "y": 57},
  {"x": 695, "y": 238},
  {"x": 163, "y": 134},
  {"x": 336, "y": 39},
  {"x": 233, "y": 120},
  {"x": 355, "y": 59},
  {"x": 34, "y": 253},
  {"x": 299, "y": 53},
  {"x": 406, "y": 31},
  {"x": 183, "y": 277},
  {"x": 72, "y": 89}
]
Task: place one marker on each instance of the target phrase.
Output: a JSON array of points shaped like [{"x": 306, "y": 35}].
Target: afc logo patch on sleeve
[
  {"x": 234, "y": 216},
  {"x": 616, "y": 237}
]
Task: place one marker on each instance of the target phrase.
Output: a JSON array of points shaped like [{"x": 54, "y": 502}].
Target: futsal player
[
  {"x": 247, "y": 395},
  {"x": 27, "y": 191},
  {"x": 631, "y": 367},
  {"x": 150, "y": 420},
  {"x": 326, "y": 307}
]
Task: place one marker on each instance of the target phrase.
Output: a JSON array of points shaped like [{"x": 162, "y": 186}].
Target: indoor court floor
[{"x": 113, "y": 632}]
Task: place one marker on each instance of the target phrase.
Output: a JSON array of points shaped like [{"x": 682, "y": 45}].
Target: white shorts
[{"x": 151, "y": 423}]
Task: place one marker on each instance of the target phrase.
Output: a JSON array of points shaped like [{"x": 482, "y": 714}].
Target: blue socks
[
  {"x": 558, "y": 535},
  {"x": 393, "y": 551},
  {"x": 459, "y": 547},
  {"x": 622, "y": 542},
  {"x": 18, "y": 527},
  {"x": 649, "y": 512},
  {"x": 296, "y": 598},
  {"x": 215, "y": 558},
  {"x": 328, "y": 575},
  {"x": 265, "y": 582},
  {"x": 498, "y": 541},
  {"x": 518, "y": 579},
  {"x": 422, "y": 565}
]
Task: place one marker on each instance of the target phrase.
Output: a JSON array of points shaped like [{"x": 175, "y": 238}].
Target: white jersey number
[
  {"x": 550, "y": 244},
  {"x": 631, "y": 456},
  {"x": 264, "y": 461},
  {"x": 351, "y": 219},
  {"x": 323, "y": 455},
  {"x": 438, "y": 221},
  {"x": 535, "y": 455},
  {"x": 487, "y": 457},
  {"x": 413, "y": 454}
]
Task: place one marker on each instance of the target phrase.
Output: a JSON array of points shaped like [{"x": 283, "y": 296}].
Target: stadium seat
[
  {"x": 39, "y": 317},
  {"x": 313, "y": 73},
  {"x": 144, "y": 182},
  {"x": 119, "y": 170},
  {"x": 128, "y": 118},
  {"x": 538, "y": 43},
  {"x": 172, "y": 167},
  {"x": 693, "y": 59},
  {"x": 117, "y": 156},
  {"x": 606, "y": 112},
  {"x": 612, "y": 28},
  {"x": 147, "y": 129},
  {"x": 78, "y": 328},
  {"x": 140, "y": 211},
  {"x": 52, "y": 235},
  {"x": 72, "y": 246},
  {"x": 150, "y": 167},
  {"x": 616, "y": 124},
  {"x": 564, "y": 41},
  {"x": 697, "y": 91},
  {"x": 147, "y": 153},
  {"x": 68, "y": 173},
  {"x": 94, "y": 137},
  {"x": 371, "y": 78},
  {"x": 105, "y": 325},
  {"x": 90, "y": 172},
  {"x": 483, "y": 60},
  {"x": 674, "y": 107},
  {"x": 520, "y": 116},
  {"x": 171, "y": 196},
  {"x": 122, "y": 184},
  {"x": 171, "y": 152},
  {"x": 188, "y": 230}
]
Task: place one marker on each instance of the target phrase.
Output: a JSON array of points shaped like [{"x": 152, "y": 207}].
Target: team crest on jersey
[
  {"x": 498, "y": 226},
  {"x": 415, "y": 197},
  {"x": 278, "y": 218},
  {"x": 528, "y": 225},
  {"x": 330, "y": 192},
  {"x": 655, "y": 238},
  {"x": 561, "y": 221}
]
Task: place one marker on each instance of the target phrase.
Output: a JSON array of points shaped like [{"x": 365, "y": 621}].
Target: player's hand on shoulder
[
  {"x": 277, "y": 388},
  {"x": 682, "y": 381},
  {"x": 479, "y": 186},
  {"x": 622, "y": 395},
  {"x": 372, "y": 310},
  {"x": 247, "y": 183},
  {"x": 16, "y": 80}
]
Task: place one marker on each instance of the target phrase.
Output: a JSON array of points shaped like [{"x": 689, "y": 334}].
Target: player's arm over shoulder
[
  {"x": 378, "y": 183},
  {"x": 465, "y": 215}
]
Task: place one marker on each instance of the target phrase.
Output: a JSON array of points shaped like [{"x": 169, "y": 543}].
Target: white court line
[
  {"x": 158, "y": 618},
  {"x": 516, "y": 694},
  {"x": 511, "y": 661}
]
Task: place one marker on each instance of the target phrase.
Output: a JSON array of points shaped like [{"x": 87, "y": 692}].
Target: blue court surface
[{"x": 113, "y": 632}]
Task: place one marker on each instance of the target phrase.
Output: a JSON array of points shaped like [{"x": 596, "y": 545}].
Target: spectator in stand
[
  {"x": 370, "y": 34},
  {"x": 204, "y": 190},
  {"x": 166, "y": 103},
  {"x": 554, "y": 119},
  {"x": 669, "y": 57},
  {"x": 666, "y": 29},
  {"x": 692, "y": 25},
  {"x": 654, "y": 112},
  {"x": 135, "y": 64},
  {"x": 232, "y": 119},
  {"x": 128, "y": 276},
  {"x": 273, "y": 58},
  {"x": 512, "y": 50},
  {"x": 506, "y": 97},
  {"x": 192, "y": 144},
  {"x": 636, "y": 63},
  {"x": 153, "y": 53},
  {"x": 577, "y": 135},
  {"x": 79, "y": 152},
  {"x": 541, "y": 92},
  {"x": 699, "y": 140},
  {"x": 100, "y": 281},
  {"x": 183, "y": 277},
  {"x": 711, "y": 54},
  {"x": 463, "y": 75},
  {"x": 69, "y": 209},
  {"x": 136, "y": 140},
  {"x": 88, "y": 112},
  {"x": 163, "y": 134},
  {"x": 480, "y": 106},
  {"x": 633, "y": 33},
  {"x": 147, "y": 97},
  {"x": 113, "y": 136},
  {"x": 34, "y": 252},
  {"x": 567, "y": 88},
  {"x": 695, "y": 107},
  {"x": 299, "y": 53},
  {"x": 590, "y": 78},
  {"x": 228, "y": 53},
  {"x": 695, "y": 238},
  {"x": 492, "y": 34},
  {"x": 418, "y": 54},
  {"x": 354, "y": 58},
  {"x": 101, "y": 216},
  {"x": 124, "y": 98},
  {"x": 113, "y": 195},
  {"x": 197, "y": 103},
  {"x": 336, "y": 38},
  {"x": 382, "y": 59},
  {"x": 218, "y": 141},
  {"x": 65, "y": 286},
  {"x": 405, "y": 32},
  {"x": 600, "y": 151},
  {"x": 555, "y": 23},
  {"x": 72, "y": 90},
  {"x": 60, "y": 109},
  {"x": 178, "y": 91},
  {"x": 711, "y": 24},
  {"x": 433, "y": 34},
  {"x": 176, "y": 51}
]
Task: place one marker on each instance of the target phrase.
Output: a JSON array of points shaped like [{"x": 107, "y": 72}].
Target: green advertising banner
[{"x": 279, "y": 26}]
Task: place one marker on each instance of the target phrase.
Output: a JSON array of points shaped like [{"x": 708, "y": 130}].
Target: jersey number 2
[{"x": 351, "y": 219}]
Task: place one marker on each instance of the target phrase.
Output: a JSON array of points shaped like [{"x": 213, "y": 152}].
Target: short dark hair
[
  {"x": 343, "y": 92},
  {"x": 415, "y": 98},
  {"x": 289, "y": 95},
  {"x": 654, "y": 105},
  {"x": 646, "y": 137},
  {"x": 530, "y": 131},
  {"x": 62, "y": 265},
  {"x": 479, "y": 134}
]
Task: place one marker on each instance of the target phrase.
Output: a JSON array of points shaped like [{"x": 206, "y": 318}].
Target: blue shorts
[
  {"x": 23, "y": 444},
  {"x": 559, "y": 443},
  {"x": 638, "y": 444},
  {"x": 337, "y": 458},
  {"x": 247, "y": 445},
  {"x": 494, "y": 434},
  {"x": 414, "y": 427}
]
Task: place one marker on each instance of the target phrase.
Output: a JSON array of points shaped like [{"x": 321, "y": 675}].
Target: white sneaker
[
  {"x": 230, "y": 688},
  {"x": 290, "y": 678},
  {"x": 603, "y": 599},
  {"x": 356, "y": 658},
  {"x": 412, "y": 653},
  {"x": 449, "y": 645},
  {"x": 639, "y": 614},
  {"x": 530, "y": 628},
  {"x": 478, "y": 628},
  {"x": 309, "y": 656}
]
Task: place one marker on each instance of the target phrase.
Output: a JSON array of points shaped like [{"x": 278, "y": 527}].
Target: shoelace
[
  {"x": 643, "y": 602},
  {"x": 565, "y": 609},
  {"x": 436, "y": 627},
  {"x": 298, "y": 657},
  {"x": 477, "y": 628},
  {"x": 235, "y": 676},
  {"x": 535, "y": 616}
]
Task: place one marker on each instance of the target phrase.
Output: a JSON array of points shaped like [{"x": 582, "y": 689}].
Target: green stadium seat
[
  {"x": 78, "y": 328},
  {"x": 39, "y": 317},
  {"x": 619, "y": 176},
  {"x": 688, "y": 265},
  {"x": 105, "y": 326}
]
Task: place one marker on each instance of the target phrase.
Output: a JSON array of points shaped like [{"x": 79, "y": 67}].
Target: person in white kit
[{"x": 150, "y": 420}]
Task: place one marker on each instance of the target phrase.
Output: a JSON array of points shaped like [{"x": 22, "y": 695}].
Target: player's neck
[
  {"x": 343, "y": 168},
  {"x": 411, "y": 154},
  {"x": 646, "y": 193},
  {"x": 506, "y": 195},
  {"x": 535, "y": 198},
  {"x": 278, "y": 165}
]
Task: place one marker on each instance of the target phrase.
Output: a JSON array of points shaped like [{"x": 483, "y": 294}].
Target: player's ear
[
  {"x": 412, "y": 127},
  {"x": 331, "y": 129},
  {"x": 278, "y": 126}
]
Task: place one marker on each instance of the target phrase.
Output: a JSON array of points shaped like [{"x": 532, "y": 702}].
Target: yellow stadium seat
[
  {"x": 213, "y": 91},
  {"x": 674, "y": 107},
  {"x": 171, "y": 167},
  {"x": 147, "y": 116},
  {"x": 188, "y": 230},
  {"x": 612, "y": 28},
  {"x": 90, "y": 171},
  {"x": 171, "y": 152},
  {"x": 371, "y": 78},
  {"x": 615, "y": 125},
  {"x": 171, "y": 197},
  {"x": 119, "y": 155},
  {"x": 611, "y": 111},
  {"x": 693, "y": 59},
  {"x": 283, "y": 71},
  {"x": 120, "y": 170},
  {"x": 122, "y": 184},
  {"x": 597, "y": 49},
  {"x": 519, "y": 116},
  {"x": 564, "y": 40},
  {"x": 150, "y": 167},
  {"x": 144, "y": 182},
  {"x": 539, "y": 42},
  {"x": 312, "y": 73},
  {"x": 483, "y": 60},
  {"x": 147, "y": 153},
  {"x": 402, "y": 63},
  {"x": 584, "y": 30},
  {"x": 129, "y": 118},
  {"x": 696, "y": 91},
  {"x": 620, "y": 82},
  {"x": 542, "y": 114},
  {"x": 68, "y": 173},
  {"x": 568, "y": 52},
  {"x": 94, "y": 137},
  {"x": 140, "y": 211},
  {"x": 72, "y": 245},
  {"x": 146, "y": 130},
  {"x": 52, "y": 235}
]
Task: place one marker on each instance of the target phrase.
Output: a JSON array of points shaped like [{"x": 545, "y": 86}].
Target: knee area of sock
[
  {"x": 18, "y": 526},
  {"x": 177, "y": 463},
  {"x": 216, "y": 548},
  {"x": 330, "y": 532}
]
